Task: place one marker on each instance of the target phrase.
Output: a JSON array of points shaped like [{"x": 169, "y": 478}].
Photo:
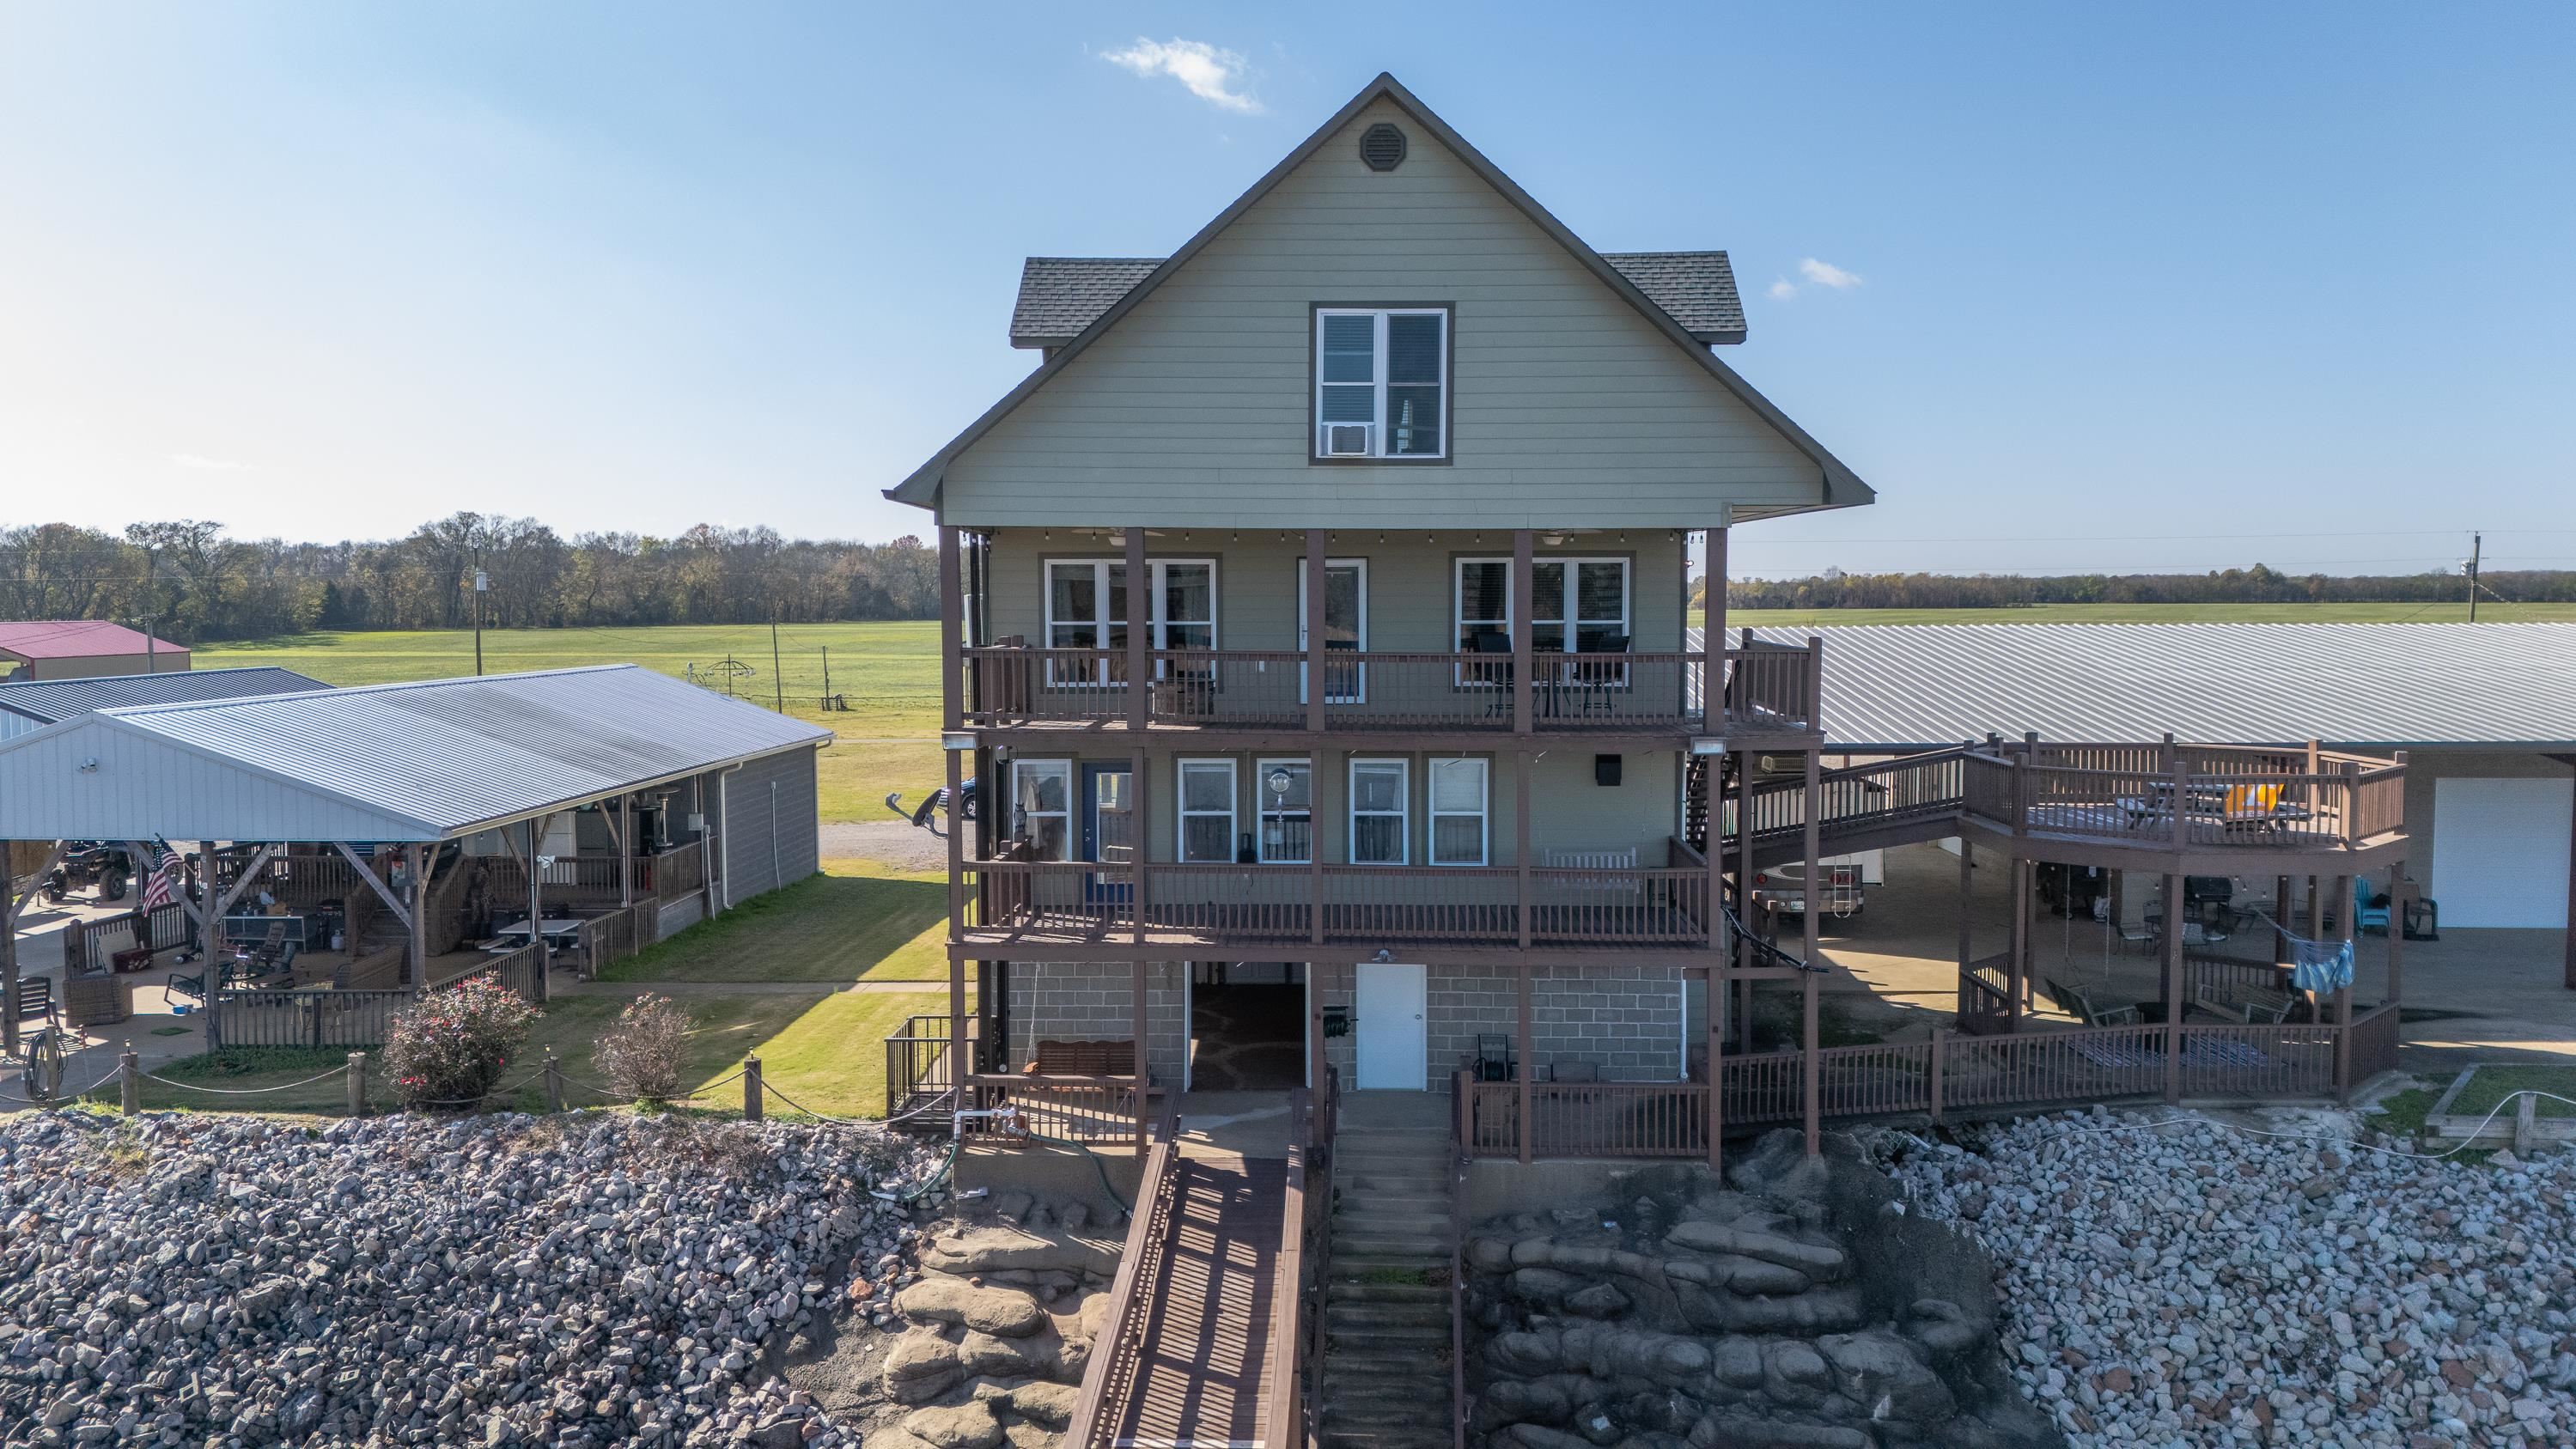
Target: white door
[
  {"x": 2500, "y": 850},
  {"x": 1394, "y": 1048}
]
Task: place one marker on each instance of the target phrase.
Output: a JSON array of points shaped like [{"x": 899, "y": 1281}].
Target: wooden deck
[{"x": 1202, "y": 1376}]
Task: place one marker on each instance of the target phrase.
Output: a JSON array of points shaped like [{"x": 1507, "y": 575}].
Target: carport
[{"x": 613, "y": 802}]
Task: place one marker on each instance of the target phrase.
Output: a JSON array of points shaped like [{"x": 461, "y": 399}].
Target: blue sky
[{"x": 2145, "y": 287}]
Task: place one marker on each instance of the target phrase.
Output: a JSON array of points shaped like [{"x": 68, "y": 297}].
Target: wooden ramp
[{"x": 1201, "y": 1376}]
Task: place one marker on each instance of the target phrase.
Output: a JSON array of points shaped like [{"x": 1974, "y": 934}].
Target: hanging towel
[{"x": 2320, "y": 966}]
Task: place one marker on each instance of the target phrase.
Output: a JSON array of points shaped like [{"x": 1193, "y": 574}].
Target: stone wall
[
  {"x": 1796, "y": 1307},
  {"x": 1094, "y": 1001}
]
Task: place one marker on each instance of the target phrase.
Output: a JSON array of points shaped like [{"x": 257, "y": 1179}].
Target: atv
[{"x": 88, "y": 864}]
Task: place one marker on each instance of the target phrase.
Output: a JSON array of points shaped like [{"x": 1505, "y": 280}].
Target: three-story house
[{"x": 1316, "y": 627}]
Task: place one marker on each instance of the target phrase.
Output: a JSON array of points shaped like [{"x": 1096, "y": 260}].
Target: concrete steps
[{"x": 1386, "y": 1308}]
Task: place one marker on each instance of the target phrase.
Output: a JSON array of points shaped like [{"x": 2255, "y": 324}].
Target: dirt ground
[{"x": 893, "y": 842}]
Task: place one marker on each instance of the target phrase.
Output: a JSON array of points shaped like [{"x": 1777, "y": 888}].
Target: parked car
[{"x": 1782, "y": 890}]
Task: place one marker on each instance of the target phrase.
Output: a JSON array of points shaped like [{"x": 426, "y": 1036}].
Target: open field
[{"x": 2488, "y": 613}]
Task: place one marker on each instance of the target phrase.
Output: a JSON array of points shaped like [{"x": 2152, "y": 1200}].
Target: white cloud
[
  {"x": 1783, "y": 289},
  {"x": 1826, "y": 274},
  {"x": 209, "y": 465},
  {"x": 1214, "y": 76}
]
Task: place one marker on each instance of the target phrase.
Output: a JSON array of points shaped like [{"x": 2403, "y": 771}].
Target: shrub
[
  {"x": 642, "y": 1052},
  {"x": 450, "y": 1049}
]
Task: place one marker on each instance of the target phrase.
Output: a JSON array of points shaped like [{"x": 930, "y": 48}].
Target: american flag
[{"x": 163, "y": 888}]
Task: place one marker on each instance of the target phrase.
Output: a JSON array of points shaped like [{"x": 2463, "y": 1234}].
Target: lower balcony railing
[
  {"x": 1377, "y": 904},
  {"x": 2194, "y": 797}
]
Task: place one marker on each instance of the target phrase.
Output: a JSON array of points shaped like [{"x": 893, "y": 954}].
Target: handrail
[
  {"x": 1113, "y": 1350},
  {"x": 1458, "y": 1159},
  {"x": 1764, "y": 952},
  {"x": 1287, "y": 1293}
]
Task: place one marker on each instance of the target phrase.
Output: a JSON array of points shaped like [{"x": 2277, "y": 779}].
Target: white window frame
[
  {"x": 1063, "y": 768},
  {"x": 1158, "y": 628},
  {"x": 1358, "y": 669},
  {"x": 1182, "y": 814},
  {"x": 1483, "y": 813},
  {"x": 1403, "y": 811},
  {"x": 1566, "y": 627},
  {"x": 1378, "y": 383},
  {"x": 1263, "y": 814}
]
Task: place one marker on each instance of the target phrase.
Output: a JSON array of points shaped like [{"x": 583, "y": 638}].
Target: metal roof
[
  {"x": 47, "y": 700},
  {"x": 75, "y": 639},
  {"x": 2345, "y": 684},
  {"x": 394, "y": 762},
  {"x": 1061, "y": 296}
]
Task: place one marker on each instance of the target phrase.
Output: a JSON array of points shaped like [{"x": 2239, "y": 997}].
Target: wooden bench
[
  {"x": 1083, "y": 1059},
  {"x": 2072, "y": 1001},
  {"x": 2244, "y": 1004}
]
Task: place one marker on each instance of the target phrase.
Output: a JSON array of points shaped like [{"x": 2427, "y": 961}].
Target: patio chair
[
  {"x": 36, "y": 1000},
  {"x": 2073, "y": 1002},
  {"x": 2369, "y": 907}
]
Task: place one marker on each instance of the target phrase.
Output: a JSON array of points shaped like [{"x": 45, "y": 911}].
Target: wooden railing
[
  {"x": 1946, "y": 1074},
  {"x": 1097, "y": 1111},
  {"x": 1985, "y": 996},
  {"x": 1768, "y": 686},
  {"x": 1117, "y": 1349},
  {"x": 1254, "y": 904},
  {"x": 280, "y": 1018},
  {"x": 1284, "y": 1423},
  {"x": 2204, "y": 797},
  {"x": 1856, "y": 797}
]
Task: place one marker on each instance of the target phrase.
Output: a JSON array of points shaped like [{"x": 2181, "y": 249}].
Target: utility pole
[
  {"x": 482, "y": 585},
  {"x": 777, "y": 680},
  {"x": 827, "y": 671},
  {"x": 151, "y": 616},
  {"x": 2477, "y": 546}
]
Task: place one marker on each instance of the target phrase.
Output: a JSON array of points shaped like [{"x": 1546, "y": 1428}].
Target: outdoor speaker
[{"x": 1605, "y": 769}]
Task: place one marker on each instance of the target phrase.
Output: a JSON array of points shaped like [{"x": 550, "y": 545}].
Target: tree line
[
  {"x": 190, "y": 581},
  {"x": 2256, "y": 585}
]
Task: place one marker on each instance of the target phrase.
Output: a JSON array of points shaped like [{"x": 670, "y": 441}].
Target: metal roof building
[
  {"x": 417, "y": 762},
  {"x": 27, "y": 705},
  {"x": 2506, "y": 686}
]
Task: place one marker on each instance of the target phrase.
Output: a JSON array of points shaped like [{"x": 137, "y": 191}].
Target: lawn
[
  {"x": 889, "y": 734},
  {"x": 859, "y": 920},
  {"x": 2493, "y": 1084},
  {"x": 2157, "y": 614}
]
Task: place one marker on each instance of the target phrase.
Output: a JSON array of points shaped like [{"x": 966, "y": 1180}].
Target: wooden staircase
[{"x": 1386, "y": 1376}]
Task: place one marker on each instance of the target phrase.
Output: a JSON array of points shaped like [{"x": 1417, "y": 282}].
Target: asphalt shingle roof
[{"x": 1060, "y": 296}]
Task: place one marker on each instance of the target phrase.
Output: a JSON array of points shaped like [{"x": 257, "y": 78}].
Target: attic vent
[{"x": 1382, "y": 147}]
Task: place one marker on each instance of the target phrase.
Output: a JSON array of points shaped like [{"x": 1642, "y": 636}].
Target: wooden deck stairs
[{"x": 1386, "y": 1308}]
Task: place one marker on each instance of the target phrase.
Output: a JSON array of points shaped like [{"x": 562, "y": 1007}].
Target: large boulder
[{"x": 939, "y": 1298}]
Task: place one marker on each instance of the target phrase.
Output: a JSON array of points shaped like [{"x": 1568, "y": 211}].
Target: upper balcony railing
[
  {"x": 2190, "y": 797},
  {"x": 1766, "y": 687}
]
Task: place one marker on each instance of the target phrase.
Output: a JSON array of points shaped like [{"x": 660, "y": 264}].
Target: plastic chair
[{"x": 2369, "y": 908}]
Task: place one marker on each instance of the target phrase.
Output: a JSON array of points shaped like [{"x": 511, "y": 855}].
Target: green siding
[{"x": 1192, "y": 410}]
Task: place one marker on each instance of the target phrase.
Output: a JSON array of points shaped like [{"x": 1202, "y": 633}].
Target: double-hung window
[
  {"x": 1086, "y": 608},
  {"x": 1042, "y": 806},
  {"x": 1287, "y": 805},
  {"x": 1459, "y": 794},
  {"x": 1207, "y": 811},
  {"x": 1382, "y": 382},
  {"x": 1580, "y": 605},
  {"x": 1380, "y": 797}
]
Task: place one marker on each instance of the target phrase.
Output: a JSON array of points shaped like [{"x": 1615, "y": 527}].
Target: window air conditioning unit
[{"x": 1346, "y": 440}]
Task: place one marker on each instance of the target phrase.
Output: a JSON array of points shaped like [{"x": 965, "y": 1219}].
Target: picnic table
[{"x": 561, "y": 932}]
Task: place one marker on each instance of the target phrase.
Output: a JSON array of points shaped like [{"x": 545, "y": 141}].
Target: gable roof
[
  {"x": 76, "y": 638},
  {"x": 1061, "y": 296},
  {"x": 2250, "y": 684},
  {"x": 47, "y": 700},
  {"x": 1840, "y": 485},
  {"x": 420, "y": 761}
]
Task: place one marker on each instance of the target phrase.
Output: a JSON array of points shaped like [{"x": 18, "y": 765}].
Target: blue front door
[{"x": 1109, "y": 825}]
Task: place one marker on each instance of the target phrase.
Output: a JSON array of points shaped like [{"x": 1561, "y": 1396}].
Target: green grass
[
  {"x": 827, "y": 1059},
  {"x": 2155, "y": 614},
  {"x": 2493, "y": 1084},
  {"x": 857, "y": 921},
  {"x": 888, "y": 671},
  {"x": 2403, "y": 1114}
]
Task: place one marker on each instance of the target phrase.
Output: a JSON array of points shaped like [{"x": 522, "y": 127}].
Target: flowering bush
[
  {"x": 642, "y": 1052},
  {"x": 449, "y": 1050}
]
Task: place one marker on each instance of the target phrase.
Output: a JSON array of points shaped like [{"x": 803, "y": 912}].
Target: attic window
[{"x": 1382, "y": 147}]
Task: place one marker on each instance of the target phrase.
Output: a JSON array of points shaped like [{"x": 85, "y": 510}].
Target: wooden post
[
  {"x": 1141, "y": 823},
  {"x": 625, "y": 852},
  {"x": 1967, "y": 916},
  {"x": 1521, "y": 839},
  {"x": 960, "y": 1058},
  {"x": 2017, "y": 968},
  {"x": 2281, "y": 914},
  {"x": 952, "y": 604},
  {"x": 1524, "y": 591},
  {"x": 2173, "y": 986},
  {"x": 1811, "y": 1069},
  {"x": 1712, "y": 840},
  {"x": 1933, "y": 1072},
  {"x": 751, "y": 1096},
  {"x": 1712, "y": 644},
  {"x": 1315, "y": 1067},
  {"x": 1524, "y": 1040},
  {"x": 129, "y": 1081},
  {"x": 207, "y": 897},
  {"x": 2398, "y": 894},
  {"x": 357, "y": 1084},
  {"x": 417, "y": 949},
  {"x": 536, "y": 911},
  {"x": 2343, "y": 993},
  {"x": 1140, "y": 638},
  {"x": 1316, "y": 576},
  {"x": 1744, "y": 895},
  {"x": 9, "y": 954},
  {"x": 1137, "y": 1028},
  {"x": 1714, "y": 1015},
  {"x": 2316, "y": 908},
  {"x": 1815, "y": 705},
  {"x": 554, "y": 1082},
  {"x": 1315, "y": 845}
]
